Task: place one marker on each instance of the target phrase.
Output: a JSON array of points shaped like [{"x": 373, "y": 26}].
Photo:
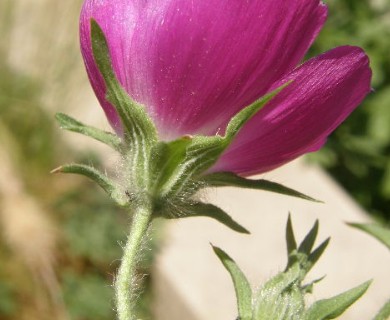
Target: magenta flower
[{"x": 195, "y": 64}]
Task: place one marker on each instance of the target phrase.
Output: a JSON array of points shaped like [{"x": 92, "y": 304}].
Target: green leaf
[
  {"x": 140, "y": 134},
  {"x": 384, "y": 313},
  {"x": 68, "y": 123},
  {"x": 290, "y": 238},
  {"x": 199, "y": 209},
  {"x": 308, "y": 242},
  {"x": 241, "y": 285},
  {"x": 95, "y": 175},
  {"x": 379, "y": 232},
  {"x": 333, "y": 307},
  {"x": 229, "y": 179}
]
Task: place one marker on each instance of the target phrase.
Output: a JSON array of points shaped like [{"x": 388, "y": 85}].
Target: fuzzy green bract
[
  {"x": 283, "y": 296},
  {"x": 163, "y": 175}
]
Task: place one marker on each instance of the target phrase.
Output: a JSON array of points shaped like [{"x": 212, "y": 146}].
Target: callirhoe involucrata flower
[
  {"x": 203, "y": 93},
  {"x": 194, "y": 64}
]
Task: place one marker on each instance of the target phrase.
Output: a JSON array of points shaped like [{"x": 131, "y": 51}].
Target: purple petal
[
  {"x": 325, "y": 90},
  {"x": 117, "y": 19},
  {"x": 194, "y": 64}
]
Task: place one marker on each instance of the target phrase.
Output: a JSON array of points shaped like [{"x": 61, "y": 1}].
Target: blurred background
[{"x": 59, "y": 235}]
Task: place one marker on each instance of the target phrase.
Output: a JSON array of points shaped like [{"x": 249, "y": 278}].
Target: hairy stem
[{"x": 126, "y": 283}]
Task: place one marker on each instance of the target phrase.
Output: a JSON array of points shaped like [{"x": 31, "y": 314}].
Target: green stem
[{"x": 126, "y": 281}]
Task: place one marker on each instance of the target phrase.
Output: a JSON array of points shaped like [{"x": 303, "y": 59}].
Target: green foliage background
[{"x": 92, "y": 228}]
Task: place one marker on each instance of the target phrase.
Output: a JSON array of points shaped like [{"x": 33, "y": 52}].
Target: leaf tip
[
  {"x": 94, "y": 25},
  {"x": 59, "y": 115},
  {"x": 244, "y": 230},
  {"x": 218, "y": 251},
  {"x": 56, "y": 170}
]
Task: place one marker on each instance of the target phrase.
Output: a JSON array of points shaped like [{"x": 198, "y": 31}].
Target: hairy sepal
[
  {"x": 189, "y": 209},
  {"x": 167, "y": 157},
  {"x": 243, "y": 116},
  {"x": 200, "y": 209},
  {"x": 109, "y": 186},
  {"x": 68, "y": 123},
  {"x": 202, "y": 152},
  {"x": 140, "y": 134},
  {"x": 230, "y": 179}
]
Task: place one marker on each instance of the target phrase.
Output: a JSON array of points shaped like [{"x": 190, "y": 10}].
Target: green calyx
[
  {"x": 163, "y": 175},
  {"x": 283, "y": 296}
]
